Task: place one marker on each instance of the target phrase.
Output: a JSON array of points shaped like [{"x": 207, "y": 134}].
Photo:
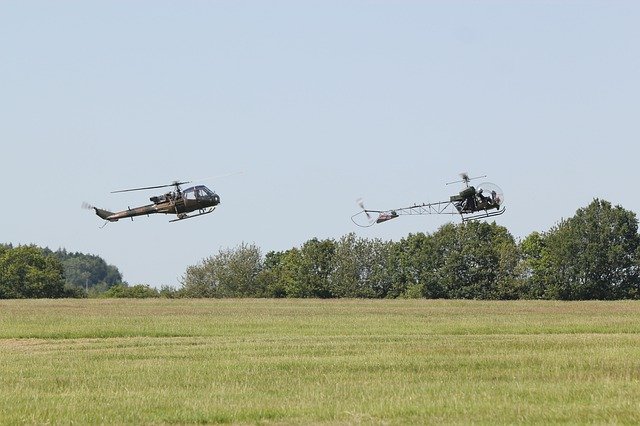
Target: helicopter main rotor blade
[
  {"x": 465, "y": 178},
  {"x": 176, "y": 184}
]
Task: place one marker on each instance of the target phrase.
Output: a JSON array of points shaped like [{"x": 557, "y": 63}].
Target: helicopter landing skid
[
  {"x": 183, "y": 216},
  {"x": 484, "y": 215}
]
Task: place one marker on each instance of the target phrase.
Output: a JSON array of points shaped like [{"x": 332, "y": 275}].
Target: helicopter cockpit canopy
[
  {"x": 198, "y": 192},
  {"x": 491, "y": 193}
]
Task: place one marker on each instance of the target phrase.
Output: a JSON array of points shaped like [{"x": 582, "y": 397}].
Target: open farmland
[{"x": 318, "y": 361}]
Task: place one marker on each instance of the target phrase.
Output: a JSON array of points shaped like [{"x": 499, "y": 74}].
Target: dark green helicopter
[
  {"x": 485, "y": 200},
  {"x": 179, "y": 202}
]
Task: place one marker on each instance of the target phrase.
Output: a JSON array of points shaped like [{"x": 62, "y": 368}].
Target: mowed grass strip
[{"x": 318, "y": 361}]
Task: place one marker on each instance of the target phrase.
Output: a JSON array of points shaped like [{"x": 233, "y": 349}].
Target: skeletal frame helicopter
[
  {"x": 179, "y": 202},
  {"x": 487, "y": 200}
]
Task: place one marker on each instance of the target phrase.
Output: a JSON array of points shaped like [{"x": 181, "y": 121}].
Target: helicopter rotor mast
[{"x": 465, "y": 179}]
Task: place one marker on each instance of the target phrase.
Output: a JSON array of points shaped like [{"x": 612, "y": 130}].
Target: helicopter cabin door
[{"x": 193, "y": 198}]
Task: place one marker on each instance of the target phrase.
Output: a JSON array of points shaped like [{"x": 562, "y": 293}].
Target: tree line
[
  {"x": 593, "y": 255},
  {"x": 34, "y": 272}
]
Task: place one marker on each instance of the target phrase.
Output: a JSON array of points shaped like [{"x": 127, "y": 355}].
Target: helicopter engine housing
[{"x": 468, "y": 192}]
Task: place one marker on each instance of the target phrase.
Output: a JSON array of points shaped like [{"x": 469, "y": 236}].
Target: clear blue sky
[{"x": 318, "y": 103}]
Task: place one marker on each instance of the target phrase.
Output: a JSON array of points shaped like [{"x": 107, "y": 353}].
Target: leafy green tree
[
  {"x": 138, "y": 291},
  {"x": 169, "y": 292},
  {"x": 411, "y": 265},
  {"x": 88, "y": 271},
  {"x": 199, "y": 281},
  {"x": 359, "y": 268},
  {"x": 376, "y": 267},
  {"x": 27, "y": 272},
  {"x": 316, "y": 266},
  {"x": 230, "y": 273},
  {"x": 592, "y": 255},
  {"x": 301, "y": 272},
  {"x": 345, "y": 274},
  {"x": 238, "y": 271},
  {"x": 289, "y": 272},
  {"x": 270, "y": 278},
  {"x": 475, "y": 260},
  {"x": 532, "y": 268}
]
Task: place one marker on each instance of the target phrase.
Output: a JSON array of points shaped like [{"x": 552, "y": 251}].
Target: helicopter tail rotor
[
  {"x": 360, "y": 202},
  {"x": 103, "y": 214},
  {"x": 359, "y": 220}
]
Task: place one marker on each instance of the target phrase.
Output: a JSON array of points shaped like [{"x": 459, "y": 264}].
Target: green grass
[{"x": 315, "y": 361}]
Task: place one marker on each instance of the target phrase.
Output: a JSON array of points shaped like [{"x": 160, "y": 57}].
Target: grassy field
[{"x": 315, "y": 361}]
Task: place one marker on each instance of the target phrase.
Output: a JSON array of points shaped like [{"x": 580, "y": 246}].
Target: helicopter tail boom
[{"x": 104, "y": 214}]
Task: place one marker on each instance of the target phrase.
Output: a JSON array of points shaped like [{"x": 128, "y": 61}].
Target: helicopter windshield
[
  {"x": 492, "y": 193},
  {"x": 197, "y": 192}
]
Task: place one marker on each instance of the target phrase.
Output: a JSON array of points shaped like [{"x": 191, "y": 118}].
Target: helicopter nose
[{"x": 216, "y": 199}]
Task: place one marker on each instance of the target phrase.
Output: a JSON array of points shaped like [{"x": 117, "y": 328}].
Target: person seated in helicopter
[{"x": 483, "y": 202}]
